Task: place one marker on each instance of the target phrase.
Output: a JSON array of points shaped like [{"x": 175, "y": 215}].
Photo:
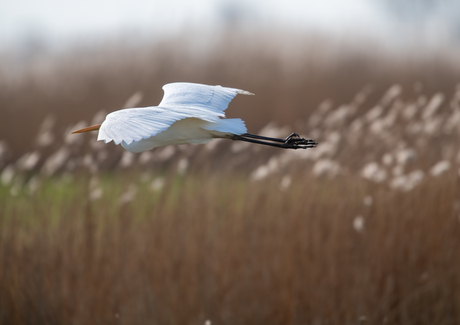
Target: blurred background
[
  {"x": 362, "y": 229},
  {"x": 72, "y": 60}
]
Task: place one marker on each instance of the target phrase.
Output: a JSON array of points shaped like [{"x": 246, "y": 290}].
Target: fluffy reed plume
[
  {"x": 440, "y": 168},
  {"x": 127, "y": 160},
  {"x": 94, "y": 189},
  {"x": 157, "y": 184},
  {"x": 128, "y": 195},
  {"x": 326, "y": 167},
  {"x": 373, "y": 172},
  {"x": 286, "y": 181},
  {"x": 7, "y": 175},
  {"x": 358, "y": 223},
  {"x": 182, "y": 166},
  {"x": 55, "y": 162},
  {"x": 28, "y": 161},
  {"x": 45, "y": 136}
]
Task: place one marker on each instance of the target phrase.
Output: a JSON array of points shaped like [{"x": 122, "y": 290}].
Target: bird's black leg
[
  {"x": 293, "y": 141},
  {"x": 255, "y": 136}
]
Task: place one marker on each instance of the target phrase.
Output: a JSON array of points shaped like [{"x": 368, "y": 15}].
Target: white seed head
[
  {"x": 127, "y": 159},
  {"x": 182, "y": 166},
  {"x": 157, "y": 184},
  {"x": 7, "y": 175},
  {"x": 387, "y": 159},
  {"x": 368, "y": 200},
  {"x": 392, "y": 93},
  {"x": 409, "y": 111},
  {"x": 146, "y": 157},
  {"x": 440, "y": 168},
  {"x": 408, "y": 182},
  {"x": 95, "y": 194},
  {"x": 28, "y": 161},
  {"x": 326, "y": 167},
  {"x": 55, "y": 161},
  {"x": 260, "y": 173},
  {"x": 285, "y": 182},
  {"x": 128, "y": 195},
  {"x": 374, "y": 113},
  {"x": 164, "y": 154},
  {"x": 433, "y": 105},
  {"x": 373, "y": 172},
  {"x": 404, "y": 156},
  {"x": 358, "y": 223},
  {"x": 45, "y": 138}
]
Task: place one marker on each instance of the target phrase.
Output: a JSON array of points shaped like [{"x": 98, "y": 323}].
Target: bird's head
[{"x": 89, "y": 128}]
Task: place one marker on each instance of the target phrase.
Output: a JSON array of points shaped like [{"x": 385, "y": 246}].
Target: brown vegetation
[
  {"x": 224, "y": 249},
  {"x": 364, "y": 229}
]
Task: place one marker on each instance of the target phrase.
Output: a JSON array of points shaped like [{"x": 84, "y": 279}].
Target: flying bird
[{"x": 188, "y": 113}]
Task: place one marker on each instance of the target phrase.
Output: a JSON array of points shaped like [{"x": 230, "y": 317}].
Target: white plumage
[{"x": 188, "y": 113}]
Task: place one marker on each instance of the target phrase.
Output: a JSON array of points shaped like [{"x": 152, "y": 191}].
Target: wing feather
[
  {"x": 180, "y": 101},
  {"x": 201, "y": 98}
]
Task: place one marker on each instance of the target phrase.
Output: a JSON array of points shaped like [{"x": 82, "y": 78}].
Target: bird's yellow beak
[{"x": 87, "y": 129}]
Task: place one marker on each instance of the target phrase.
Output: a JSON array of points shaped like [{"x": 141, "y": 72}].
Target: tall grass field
[{"x": 363, "y": 229}]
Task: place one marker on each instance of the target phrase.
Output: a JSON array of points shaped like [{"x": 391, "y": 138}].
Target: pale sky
[{"x": 62, "y": 21}]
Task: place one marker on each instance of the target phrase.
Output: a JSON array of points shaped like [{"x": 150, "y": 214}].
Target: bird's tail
[{"x": 227, "y": 126}]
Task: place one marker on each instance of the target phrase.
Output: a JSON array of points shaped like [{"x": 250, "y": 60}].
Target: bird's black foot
[{"x": 294, "y": 141}]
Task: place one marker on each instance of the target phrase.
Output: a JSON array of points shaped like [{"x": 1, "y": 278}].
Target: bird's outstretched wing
[
  {"x": 135, "y": 124},
  {"x": 198, "y": 98},
  {"x": 181, "y": 100}
]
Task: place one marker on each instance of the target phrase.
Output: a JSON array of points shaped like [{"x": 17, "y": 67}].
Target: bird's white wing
[
  {"x": 181, "y": 100},
  {"x": 135, "y": 124},
  {"x": 203, "y": 101}
]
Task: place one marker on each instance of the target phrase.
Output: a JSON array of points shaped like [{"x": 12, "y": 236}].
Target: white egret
[{"x": 188, "y": 113}]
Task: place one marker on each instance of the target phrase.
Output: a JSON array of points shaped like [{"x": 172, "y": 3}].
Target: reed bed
[
  {"x": 229, "y": 250},
  {"x": 363, "y": 229}
]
